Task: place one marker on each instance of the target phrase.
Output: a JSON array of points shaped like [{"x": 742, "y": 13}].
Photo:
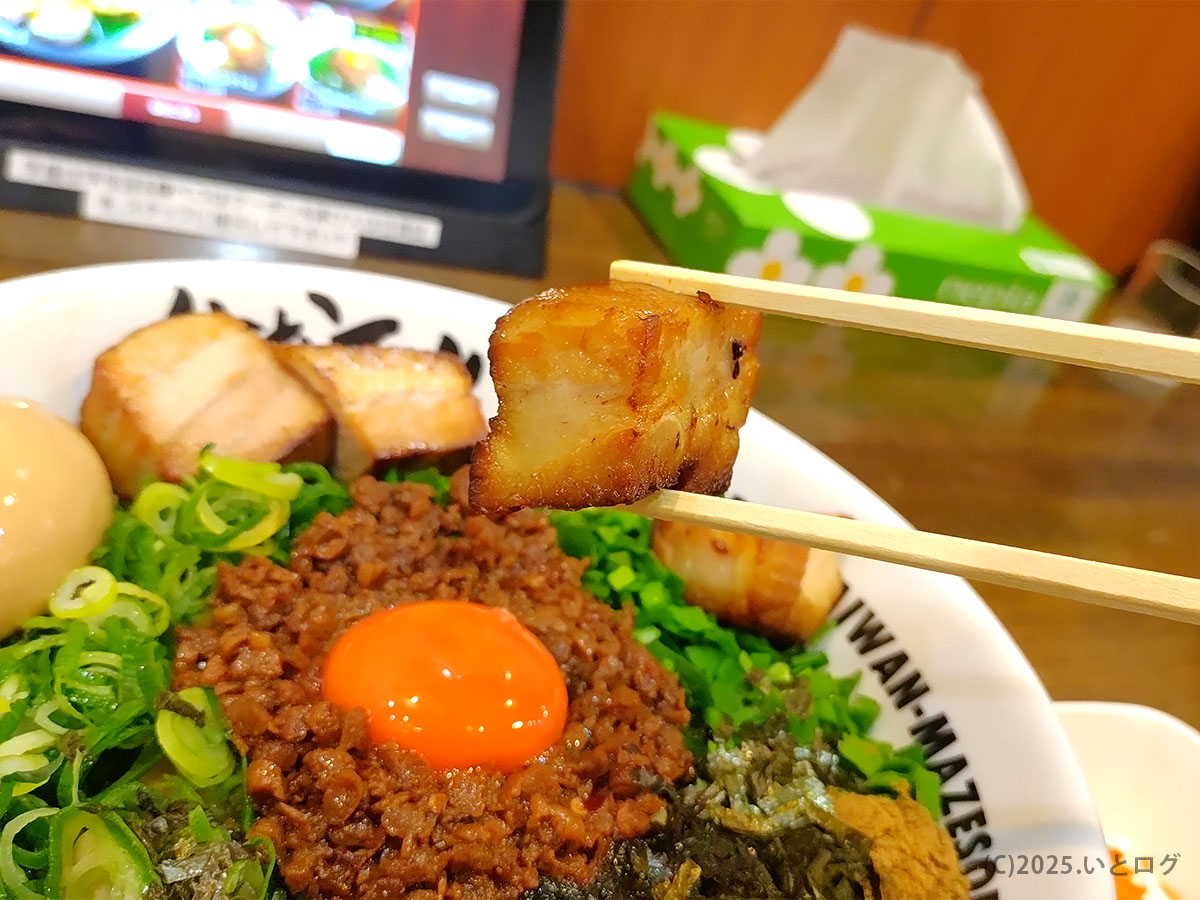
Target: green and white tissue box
[{"x": 708, "y": 213}]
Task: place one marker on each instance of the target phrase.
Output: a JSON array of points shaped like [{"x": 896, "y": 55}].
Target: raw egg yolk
[{"x": 461, "y": 683}]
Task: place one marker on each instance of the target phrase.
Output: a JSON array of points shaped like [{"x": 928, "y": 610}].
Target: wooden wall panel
[
  {"x": 736, "y": 61},
  {"x": 1101, "y": 103},
  {"x": 1100, "y": 98}
]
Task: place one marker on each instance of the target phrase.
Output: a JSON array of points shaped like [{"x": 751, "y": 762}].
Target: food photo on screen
[
  {"x": 240, "y": 49},
  {"x": 88, "y": 32},
  {"x": 362, "y": 69},
  {"x": 388, "y": 82}
]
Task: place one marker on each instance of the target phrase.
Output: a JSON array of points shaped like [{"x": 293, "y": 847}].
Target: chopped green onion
[
  {"x": 863, "y": 753},
  {"x": 208, "y": 518},
  {"x": 647, "y": 635},
  {"x": 24, "y": 763},
  {"x": 886, "y": 781},
  {"x": 13, "y": 876},
  {"x": 129, "y": 610},
  {"x": 202, "y": 829},
  {"x": 12, "y": 690},
  {"x": 150, "y": 616},
  {"x": 85, "y": 592},
  {"x": 266, "y": 478},
  {"x": 96, "y": 855},
  {"x": 779, "y": 672},
  {"x": 35, "y": 646},
  {"x": 247, "y": 879},
  {"x": 621, "y": 578},
  {"x": 321, "y": 493},
  {"x": 158, "y": 505},
  {"x": 734, "y": 680},
  {"x": 928, "y": 788},
  {"x": 43, "y": 717},
  {"x": 21, "y": 788},
  {"x": 100, "y": 659},
  {"x": 86, "y": 712},
  {"x": 29, "y": 742},
  {"x": 275, "y": 518},
  {"x": 201, "y": 753}
]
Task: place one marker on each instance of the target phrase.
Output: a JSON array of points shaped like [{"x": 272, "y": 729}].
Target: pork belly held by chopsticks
[{"x": 610, "y": 392}]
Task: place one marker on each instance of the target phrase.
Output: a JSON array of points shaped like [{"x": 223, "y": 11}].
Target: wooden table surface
[{"x": 959, "y": 441}]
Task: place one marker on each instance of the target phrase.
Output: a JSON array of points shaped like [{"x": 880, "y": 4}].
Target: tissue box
[{"x": 709, "y": 213}]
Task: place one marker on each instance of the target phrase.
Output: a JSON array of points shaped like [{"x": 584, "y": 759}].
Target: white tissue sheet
[{"x": 898, "y": 124}]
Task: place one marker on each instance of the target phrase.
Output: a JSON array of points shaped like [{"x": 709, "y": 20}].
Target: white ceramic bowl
[
  {"x": 932, "y": 653},
  {"x": 1142, "y": 766}
]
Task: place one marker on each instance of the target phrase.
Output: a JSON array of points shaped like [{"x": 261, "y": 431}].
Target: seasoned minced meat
[{"x": 350, "y": 818}]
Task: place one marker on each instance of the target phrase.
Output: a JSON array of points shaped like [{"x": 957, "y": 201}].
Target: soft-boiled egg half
[
  {"x": 55, "y": 503},
  {"x": 461, "y": 683}
]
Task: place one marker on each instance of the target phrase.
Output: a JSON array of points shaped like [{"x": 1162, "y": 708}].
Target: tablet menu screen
[{"x": 424, "y": 84}]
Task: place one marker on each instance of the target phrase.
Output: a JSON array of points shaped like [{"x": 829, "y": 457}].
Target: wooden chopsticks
[
  {"x": 1104, "y": 584},
  {"x": 1097, "y": 346},
  {"x": 1080, "y": 343}
]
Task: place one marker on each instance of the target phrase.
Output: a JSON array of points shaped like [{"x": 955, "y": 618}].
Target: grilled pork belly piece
[
  {"x": 773, "y": 586},
  {"x": 390, "y": 403},
  {"x": 168, "y": 389},
  {"x": 610, "y": 392}
]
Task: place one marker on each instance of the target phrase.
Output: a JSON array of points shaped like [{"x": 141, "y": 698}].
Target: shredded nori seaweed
[{"x": 758, "y": 824}]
